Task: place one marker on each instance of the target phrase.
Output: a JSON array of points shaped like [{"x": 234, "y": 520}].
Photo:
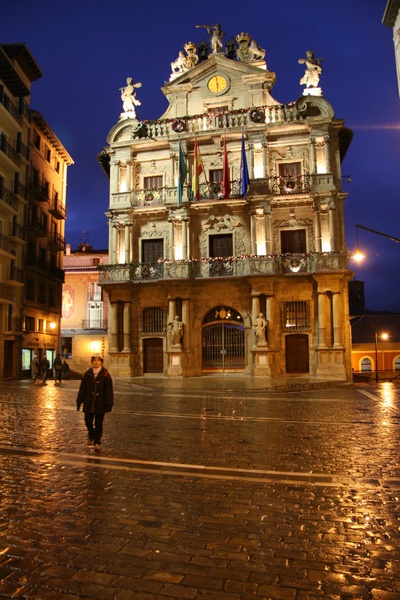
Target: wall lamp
[{"x": 348, "y": 177}]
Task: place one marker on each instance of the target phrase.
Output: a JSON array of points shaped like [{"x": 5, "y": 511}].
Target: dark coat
[{"x": 96, "y": 393}]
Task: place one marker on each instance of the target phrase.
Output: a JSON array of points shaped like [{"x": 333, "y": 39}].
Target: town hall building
[{"x": 227, "y": 250}]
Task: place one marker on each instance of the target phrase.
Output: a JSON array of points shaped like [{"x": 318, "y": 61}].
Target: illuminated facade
[
  {"x": 254, "y": 275},
  {"x": 391, "y": 18},
  {"x": 33, "y": 174},
  {"x": 84, "y": 307}
]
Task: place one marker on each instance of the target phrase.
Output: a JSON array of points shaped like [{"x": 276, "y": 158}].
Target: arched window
[
  {"x": 397, "y": 363},
  {"x": 366, "y": 364}
]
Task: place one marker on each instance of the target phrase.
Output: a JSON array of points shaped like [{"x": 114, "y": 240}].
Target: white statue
[
  {"x": 216, "y": 38},
  {"x": 128, "y": 96},
  {"x": 258, "y": 53},
  {"x": 179, "y": 65},
  {"x": 259, "y": 327},
  {"x": 313, "y": 70},
  {"x": 176, "y": 331}
]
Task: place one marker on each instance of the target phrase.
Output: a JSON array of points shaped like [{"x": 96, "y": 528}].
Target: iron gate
[{"x": 223, "y": 346}]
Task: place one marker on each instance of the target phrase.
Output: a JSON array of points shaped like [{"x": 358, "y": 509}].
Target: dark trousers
[{"x": 94, "y": 424}]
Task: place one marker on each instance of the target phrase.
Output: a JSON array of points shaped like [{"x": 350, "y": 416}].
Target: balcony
[
  {"x": 7, "y": 292},
  {"x": 14, "y": 326},
  {"x": 9, "y": 151},
  {"x": 15, "y": 276},
  {"x": 8, "y": 200},
  {"x": 43, "y": 266},
  {"x": 36, "y": 227},
  {"x": 57, "y": 208},
  {"x": 8, "y": 247},
  {"x": 210, "y": 268},
  {"x": 17, "y": 232},
  {"x": 39, "y": 189},
  {"x": 95, "y": 324},
  {"x": 57, "y": 242}
]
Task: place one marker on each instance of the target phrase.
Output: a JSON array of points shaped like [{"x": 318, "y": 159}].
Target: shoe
[
  {"x": 97, "y": 447},
  {"x": 89, "y": 441}
]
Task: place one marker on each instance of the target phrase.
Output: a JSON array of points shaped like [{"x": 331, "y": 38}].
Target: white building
[{"x": 212, "y": 264}]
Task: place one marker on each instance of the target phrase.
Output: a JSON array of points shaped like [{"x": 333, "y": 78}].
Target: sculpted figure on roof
[
  {"x": 313, "y": 70},
  {"x": 128, "y": 96}
]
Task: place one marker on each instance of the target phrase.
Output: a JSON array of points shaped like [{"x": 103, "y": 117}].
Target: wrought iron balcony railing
[
  {"x": 94, "y": 324},
  {"x": 239, "y": 266}
]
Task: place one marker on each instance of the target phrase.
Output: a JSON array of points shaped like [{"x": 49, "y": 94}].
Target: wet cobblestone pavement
[{"x": 201, "y": 494}]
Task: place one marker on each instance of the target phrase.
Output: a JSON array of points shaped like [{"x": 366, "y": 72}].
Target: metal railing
[
  {"x": 94, "y": 324},
  {"x": 240, "y": 266}
]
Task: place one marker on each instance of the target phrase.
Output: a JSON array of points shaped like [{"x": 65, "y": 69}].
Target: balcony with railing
[
  {"x": 36, "y": 227},
  {"x": 9, "y": 200},
  {"x": 57, "y": 242},
  {"x": 39, "y": 188},
  {"x": 15, "y": 276},
  {"x": 35, "y": 262},
  {"x": 17, "y": 232},
  {"x": 7, "y": 246},
  {"x": 7, "y": 292},
  {"x": 228, "y": 120},
  {"x": 94, "y": 324},
  {"x": 212, "y": 268},
  {"x": 9, "y": 151},
  {"x": 57, "y": 208}
]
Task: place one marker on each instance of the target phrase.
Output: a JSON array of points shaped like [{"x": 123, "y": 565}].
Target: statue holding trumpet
[{"x": 216, "y": 36}]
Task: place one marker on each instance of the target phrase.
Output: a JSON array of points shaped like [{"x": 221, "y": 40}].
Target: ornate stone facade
[{"x": 259, "y": 232}]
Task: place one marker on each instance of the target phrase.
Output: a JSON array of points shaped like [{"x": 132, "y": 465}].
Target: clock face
[{"x": 217, "y": 84}]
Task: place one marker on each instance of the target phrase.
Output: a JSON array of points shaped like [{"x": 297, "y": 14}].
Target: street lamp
[
  {"x": 358, "y": 255},
  {"x": 384, "y": 336}
]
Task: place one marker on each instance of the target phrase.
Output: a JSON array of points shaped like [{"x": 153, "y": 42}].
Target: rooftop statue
[
  {"x": 313, "y": 70},
  {"x": 216, "y": 36},
  {"x": 184, "y": 63},
  {"x": 128, "y": 96}
]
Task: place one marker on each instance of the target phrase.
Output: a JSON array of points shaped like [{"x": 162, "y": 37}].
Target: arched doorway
[
  {"x": 223, "y": 340},
  {"x": 297, "y": 358}
]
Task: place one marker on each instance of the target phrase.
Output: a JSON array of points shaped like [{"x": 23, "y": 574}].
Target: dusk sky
[{"x": 87, "y": 49}]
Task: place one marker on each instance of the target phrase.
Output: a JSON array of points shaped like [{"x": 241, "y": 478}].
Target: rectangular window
[
  {"x": 152, "y": 250},
  {"x": 42, "y": 294},
  {"x": 292, "y": 169},
  {"x": 153, "y": 183},
  {"x": 215, "y": 175},
  {"x": 30, "y": 289},
  {"x": 293, "y": 241},
  {"x": 295, "y": 316},
  {"x": 221, "y": 245},
  {"x": 36, "y": 141},
  {"x": 30, "y": 324}
]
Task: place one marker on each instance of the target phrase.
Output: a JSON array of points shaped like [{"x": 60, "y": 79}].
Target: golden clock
[{"x": 217, "y": 84}]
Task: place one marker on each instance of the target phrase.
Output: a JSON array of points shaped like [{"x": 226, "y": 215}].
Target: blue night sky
[{"x": 87, "y": 49}]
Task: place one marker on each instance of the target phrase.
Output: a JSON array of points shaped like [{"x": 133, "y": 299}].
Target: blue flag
[
  {"x": 245, "y": 171},
  {"x": 182, "y": 172}
]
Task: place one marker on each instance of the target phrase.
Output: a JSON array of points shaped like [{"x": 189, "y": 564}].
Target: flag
[
  {"x": 182, "y": 172},
  {"x": 245, "y": 171},
  {"x": 226, "y": 179},
  {"x": 197, "y": 170}
]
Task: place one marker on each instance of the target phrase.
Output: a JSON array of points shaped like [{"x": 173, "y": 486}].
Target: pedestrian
[
  {"x": 97, "y": 396},
  {"x": 65, "y": 370},
  {"x": 35, "y": 368},
  {"x": 57, "y": 369},
  {"x": 44, "y": 367}
]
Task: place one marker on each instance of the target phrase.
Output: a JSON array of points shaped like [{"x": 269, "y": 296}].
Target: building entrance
[
  {"x": 223, "y": 341},
  {"x": 153, "y": 355}
]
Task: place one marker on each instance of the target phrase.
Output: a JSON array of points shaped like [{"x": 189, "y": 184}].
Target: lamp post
[{"x": 384, "y": 336}]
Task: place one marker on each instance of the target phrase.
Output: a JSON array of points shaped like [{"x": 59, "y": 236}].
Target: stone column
[
  {"x": 127, "y": 327},
  {"x": 171, "y": 309},
  {"x": 184, "y": 240},
  {"x": 114, "y": 327},
  {"x": 127, "y": 243},
  {"x": 255, "y": 306},
  {"x": 264, "y": 159},
  {"x": 267, "y": 217},
  {"x": 113, "y": 244},
  {"x": 185, "y": 321},
  {"x": 171, "y": 255},
  {"x": 317, "y": 225},
  {"x": 253, "y": 245},
  {"x": 327, "y": 153},
  {"x": 322, "y": 319},
  {"x": 337, "y": 329},
  {"x": 331, "y": 225},
  {"x": 172, "y": 169},
  {"x": 313, "y": 156}
]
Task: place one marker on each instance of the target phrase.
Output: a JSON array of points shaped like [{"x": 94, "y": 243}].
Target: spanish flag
[{"x": 197, "y": 170}]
